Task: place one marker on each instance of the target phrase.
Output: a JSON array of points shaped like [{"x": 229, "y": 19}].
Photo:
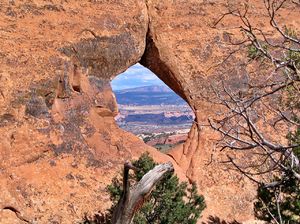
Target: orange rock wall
[{"x": 59, "y": 144}]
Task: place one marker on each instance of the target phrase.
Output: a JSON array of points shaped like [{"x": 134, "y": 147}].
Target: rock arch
[{"x": 62, "y": 152}]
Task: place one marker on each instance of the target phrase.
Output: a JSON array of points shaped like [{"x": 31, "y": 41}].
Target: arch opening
[{"x": 149, "y": 109}]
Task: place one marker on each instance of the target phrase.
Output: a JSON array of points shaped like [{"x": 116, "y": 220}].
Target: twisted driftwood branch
[{"x": 133, "y": 198}]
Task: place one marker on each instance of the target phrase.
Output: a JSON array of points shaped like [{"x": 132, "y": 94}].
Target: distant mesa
[
  {"x": 148, "y": 95},
  {"x": 146, "y": 89},
  {"x": 159, "y": 119}
]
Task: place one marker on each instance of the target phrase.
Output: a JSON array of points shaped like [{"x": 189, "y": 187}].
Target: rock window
[{"x": 150, "y": 109}]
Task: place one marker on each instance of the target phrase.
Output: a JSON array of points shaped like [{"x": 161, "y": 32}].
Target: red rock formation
[
  {"x": 59, "y": 144},
  {"x": 186, "y": 52}
]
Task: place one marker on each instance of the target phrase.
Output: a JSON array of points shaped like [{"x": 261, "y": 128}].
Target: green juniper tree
[{"x": 169, "y": 202}]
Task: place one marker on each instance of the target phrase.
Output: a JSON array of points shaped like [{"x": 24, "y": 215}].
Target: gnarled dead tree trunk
[{"x": 133, "y": 198}]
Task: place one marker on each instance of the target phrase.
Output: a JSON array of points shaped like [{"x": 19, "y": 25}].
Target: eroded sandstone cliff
[{"x": 59, "y": 144}]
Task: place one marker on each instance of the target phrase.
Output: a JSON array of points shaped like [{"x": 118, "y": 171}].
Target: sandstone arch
[
  {"x": 150, "y": 109},
  {"x": 56, "y": 159}
]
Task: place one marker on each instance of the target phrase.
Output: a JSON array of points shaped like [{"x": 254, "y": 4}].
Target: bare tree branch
[{"x": 133, "y": 198}]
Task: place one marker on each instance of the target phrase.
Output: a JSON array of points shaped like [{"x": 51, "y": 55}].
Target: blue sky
[{"x": 135, "y": 76}]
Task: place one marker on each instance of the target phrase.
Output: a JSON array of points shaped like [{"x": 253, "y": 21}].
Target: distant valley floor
[
  {"x": 155, "y": 114},
  {"x": 161, "y": 126}
]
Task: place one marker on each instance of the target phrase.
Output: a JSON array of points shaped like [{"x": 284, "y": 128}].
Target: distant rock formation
[
  {"x": 147, "y": 89},
  {"x": 158, "y": 119},
  {"x": 148, "y": 95}
]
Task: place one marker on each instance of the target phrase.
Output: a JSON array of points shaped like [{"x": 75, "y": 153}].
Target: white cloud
[{"x": 135, "y": 76}]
